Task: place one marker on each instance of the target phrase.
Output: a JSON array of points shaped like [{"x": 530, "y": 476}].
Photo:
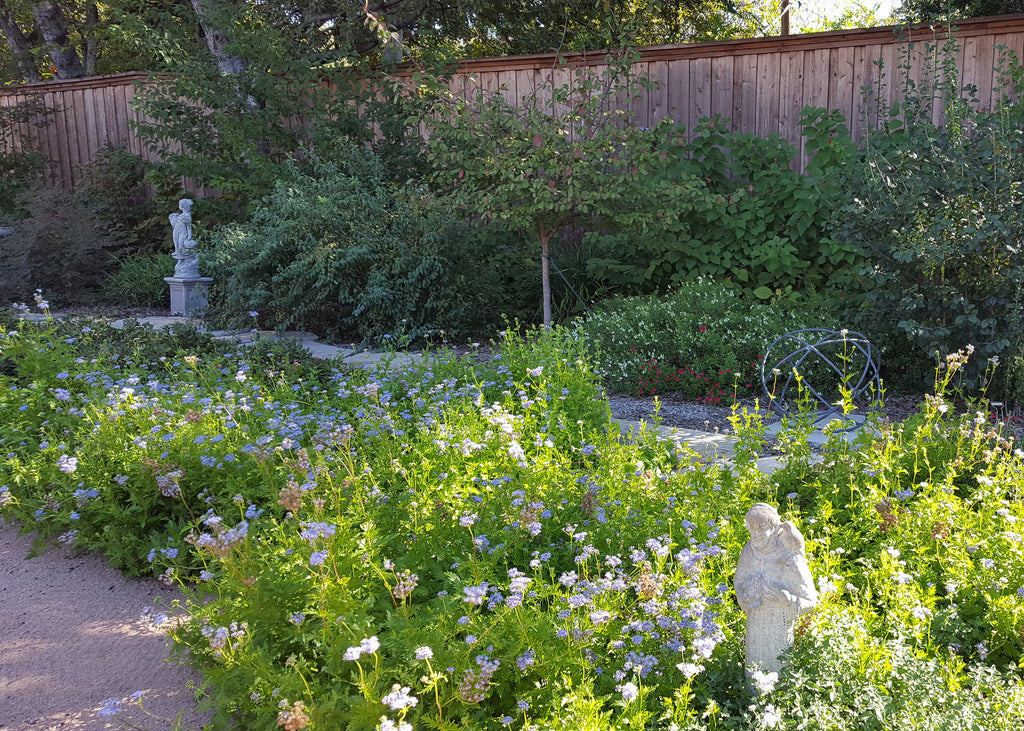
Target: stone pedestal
[{"x": 188, "y": 295}]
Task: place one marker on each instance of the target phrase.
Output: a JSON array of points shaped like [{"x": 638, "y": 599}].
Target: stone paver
[
  {"x": 719, "y": 448},
  {"x": 817, "y": 436}
]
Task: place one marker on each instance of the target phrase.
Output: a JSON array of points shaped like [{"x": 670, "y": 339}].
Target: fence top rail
[{"x": 87, "y": 82}]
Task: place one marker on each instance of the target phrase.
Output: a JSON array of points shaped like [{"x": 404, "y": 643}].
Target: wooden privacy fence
[
  {"x": 87, "y": 114},
  {"x": 761, "y": 84}
]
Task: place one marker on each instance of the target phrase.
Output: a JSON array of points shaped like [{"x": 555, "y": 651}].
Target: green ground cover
[{"x": 467, "y": 545}]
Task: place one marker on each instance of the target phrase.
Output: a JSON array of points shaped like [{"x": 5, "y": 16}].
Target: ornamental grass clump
[{"x": 461, "y": 545}]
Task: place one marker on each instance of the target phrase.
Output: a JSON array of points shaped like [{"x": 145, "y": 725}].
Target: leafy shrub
[
  {"x": 754, "y": 219},
  {"x": 235, "y": 132},
  {"x": 936, "y": 213},
  {"x": 115, "y": 183},
  {"x": 339, "y": 249},
  {"x": 21, "y": 167},
  {"x": 19, "y": 171},
  {"x": 846, "y": 678},
  {"x": 139, "y": 280},
  {"x": 701, "y": 339},
  {"x": 60, "y": 247},
  {"x": 519, "y": 165}
]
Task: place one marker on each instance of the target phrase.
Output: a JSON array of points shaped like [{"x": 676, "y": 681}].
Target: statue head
[
  {"x": 763, "y": 522},
  {"x": 185, "y": 204}
]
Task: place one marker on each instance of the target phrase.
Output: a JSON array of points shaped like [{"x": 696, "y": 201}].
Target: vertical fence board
[
  {"x": 745, "y": 110},
  {"x": 77, "y": 132},
  {"x": 506, "y": 84},
  {"x": 887, "y": 84},
  {"x": 918, "y": 63},
  {"x": 541, "y": 89},
  {"x": 88, "y": 135},
  {"x": 27, "y": 132},
  {"x": 489, "y": 82},
  {"x": 816, "y": 80},
  {"x": 768, "y": 94},
  {"x": 62, "y": 124},
  {"x": 561, "y": 77},
  {"x": 638, "y": 99},
  {"x": 1015, "y": 46},
  {"x": 658, "y": 104},
  {"x": 69, "y": 138},
  {"x": 124, "y": 109},
  {"x": 15, "y": 137},
  {"x": 865, "y": 71},
  {"x": 721, "y": 86},
  {"x": 791, "y": 97},
  {"x": 679, "y": 98},
  {"x": 934, "y": 72},
  {"x": 106, "y": 131},
  {"x": 841, "y": 82},
  {"x": 525, "y": 84},
  {"x": 700, "y": 90},
  {"x": 1000, "y": 44},
  {"x": 986, "y": 71},
  {"x": 52, "y": 139},
  {"x": 124, "y": 99}
]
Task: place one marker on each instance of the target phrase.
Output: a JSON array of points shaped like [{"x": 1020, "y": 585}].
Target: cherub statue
[
  {"x": 773, "y": 586},
  {"x": 184, "y": 245}
]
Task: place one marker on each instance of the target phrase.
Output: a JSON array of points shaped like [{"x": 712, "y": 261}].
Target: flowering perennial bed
[{"x": 467, "y": 546}]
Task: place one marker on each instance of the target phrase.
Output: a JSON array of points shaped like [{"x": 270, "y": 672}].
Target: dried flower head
[
  {"x": 294, "y": 718},
  {"x": 291, "y": 497}
]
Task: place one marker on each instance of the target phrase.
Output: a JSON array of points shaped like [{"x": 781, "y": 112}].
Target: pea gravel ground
[{"x": 71, "y": 639}]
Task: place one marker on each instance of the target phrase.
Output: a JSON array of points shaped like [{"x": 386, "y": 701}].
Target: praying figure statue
[
  {"x": 773, "y": 586},
  {"x": 184, "y": 245}
]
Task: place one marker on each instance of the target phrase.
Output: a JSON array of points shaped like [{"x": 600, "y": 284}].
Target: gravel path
[
  {"x": 71, "y": 638},
  {"x": 677, "y": 411}
]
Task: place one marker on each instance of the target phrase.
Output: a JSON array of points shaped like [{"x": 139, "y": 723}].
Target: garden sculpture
[
  {"x": 184, "y": 245},
  {"x": 773, "y": 586},
  {"x": 824, "y": 360},
  {"x": 188, "y": 289}
]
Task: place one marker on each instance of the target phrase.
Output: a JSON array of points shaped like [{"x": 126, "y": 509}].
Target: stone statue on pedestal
[
  {"x": 188, "y": 289},
  {"x": 184, "y": 245},
  {"x": 773, "y": 586}
]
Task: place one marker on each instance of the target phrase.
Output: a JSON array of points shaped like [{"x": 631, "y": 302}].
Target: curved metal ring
[{"x": 811, "y": 342}]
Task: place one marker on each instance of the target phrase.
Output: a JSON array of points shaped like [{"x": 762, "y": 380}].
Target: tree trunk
[
  {"x": 92, "y": 46},
  {"x": 21, "y": 48},
  {"x": 545, "y": 275},
  {"x": 54, "y": 28},
  {"x": 218, "y": 41}
]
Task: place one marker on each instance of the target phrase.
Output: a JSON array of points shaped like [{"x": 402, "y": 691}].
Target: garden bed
[{"x": 467, "y": 545}]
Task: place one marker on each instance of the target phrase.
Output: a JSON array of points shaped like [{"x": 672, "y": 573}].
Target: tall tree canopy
[
  {"x": 477, "y": 28},
  {"x": 924, "y": 10},
  {"x": 68, "y": 39},
  {"x": 71, "y": 38},
  {"x": 34, "y": 28}
]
